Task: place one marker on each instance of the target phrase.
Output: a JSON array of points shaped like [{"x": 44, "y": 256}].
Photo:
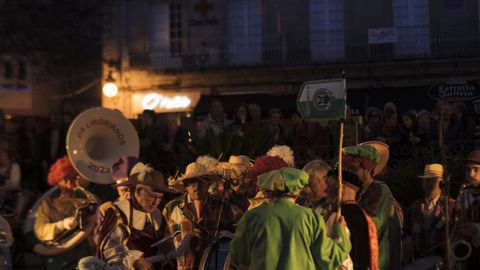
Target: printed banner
[{"x": 382, "y": 35}]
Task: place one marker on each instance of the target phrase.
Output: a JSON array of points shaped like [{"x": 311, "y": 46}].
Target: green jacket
[{"x": 284, "y": 235}]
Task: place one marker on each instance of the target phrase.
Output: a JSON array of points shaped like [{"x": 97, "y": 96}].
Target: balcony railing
[{"x": 287, "y": 50}]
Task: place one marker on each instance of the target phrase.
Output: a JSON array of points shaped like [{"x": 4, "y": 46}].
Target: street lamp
[{"x": 110, "y": 89}]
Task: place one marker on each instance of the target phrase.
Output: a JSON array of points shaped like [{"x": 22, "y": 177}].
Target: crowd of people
[
  {"x": 169, "y": 144},
  {"x": 271, "y": 215},
  {"x": 267, "y": 191}
]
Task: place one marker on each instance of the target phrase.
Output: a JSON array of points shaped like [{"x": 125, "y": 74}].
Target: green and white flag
[{"x": 323, "y": 99}]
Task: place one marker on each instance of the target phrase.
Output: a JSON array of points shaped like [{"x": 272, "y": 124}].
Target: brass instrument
[
  {"x": 461, "y": 249},
  {"x": 96, "y": 139}
]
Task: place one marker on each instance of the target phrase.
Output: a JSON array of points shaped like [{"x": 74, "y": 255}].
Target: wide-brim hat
[
  {"x": 432, "y": 171},
  {"x": 473, "y": 157},
  {"x": 241, "y": 160},
  {"x": 383, "y": 154},
  {"x": 145, "y": 175},
  {"x": 364, "y": 154},
  {"x": 196, "y": 172},
  {"x": 236, "y": 168},
  {"x": 207, "y": 161}
]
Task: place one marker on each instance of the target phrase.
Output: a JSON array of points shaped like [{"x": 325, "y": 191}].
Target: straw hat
[
  {"x": 236, "y": 167},
  {"x": 432, "y": 171},
  {"x": 240, "y": 161},
  {"x": 195, "y": 171},
  {"x": 383, "y": 153},
  {"x": 207, "y": 161}
]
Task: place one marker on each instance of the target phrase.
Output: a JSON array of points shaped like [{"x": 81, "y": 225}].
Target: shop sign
[
  {"x": 163, "y": 102},
  {"x": 454, "y": 92}
]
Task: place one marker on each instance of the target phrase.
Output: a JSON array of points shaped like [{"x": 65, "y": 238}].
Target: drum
[
  {"x": 218, "y": 258},
  {"x": 426, "y": 263}
]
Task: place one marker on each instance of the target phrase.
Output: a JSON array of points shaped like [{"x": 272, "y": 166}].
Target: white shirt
[{"x": 430, "y": 208}]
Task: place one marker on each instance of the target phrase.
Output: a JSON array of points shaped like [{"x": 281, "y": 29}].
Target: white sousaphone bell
[{"x": 96, "y": 139}]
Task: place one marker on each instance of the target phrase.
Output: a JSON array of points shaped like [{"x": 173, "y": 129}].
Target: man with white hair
[{"x": 314, "y": 194}]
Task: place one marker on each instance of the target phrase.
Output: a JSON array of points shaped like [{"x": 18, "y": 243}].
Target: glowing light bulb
[{"x": 110, "y": 89}]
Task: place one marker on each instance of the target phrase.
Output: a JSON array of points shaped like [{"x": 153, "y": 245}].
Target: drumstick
[
  {"x": 165, "y": 239},
  {"x": 176, "y": 253}
]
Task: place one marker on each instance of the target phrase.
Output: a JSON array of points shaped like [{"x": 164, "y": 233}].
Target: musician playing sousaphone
[{"x": 58, "y": 215}]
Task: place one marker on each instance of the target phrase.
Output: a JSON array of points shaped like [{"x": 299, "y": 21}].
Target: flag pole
[
  {"x": 340, "y": 148},
  {"x": 340, "y": 180}
]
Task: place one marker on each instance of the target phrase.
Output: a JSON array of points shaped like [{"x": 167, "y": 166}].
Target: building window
[
  {"x": 22, "y": 70},
  {"x": 245, "y": 31},
  {"x": 8, "y": 70},
  {"x": 412, "y": 20},
  {"x": 175, "y": 29},
  {"x": 327, "y": 34}
]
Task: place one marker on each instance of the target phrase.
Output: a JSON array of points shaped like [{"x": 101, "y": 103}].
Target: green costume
[
  {"x": 377, "y": 200},
  {"x": 283, "y": 235}
]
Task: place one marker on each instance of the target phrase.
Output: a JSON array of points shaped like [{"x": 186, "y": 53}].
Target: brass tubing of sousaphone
[{"x": 45, "y": 249}]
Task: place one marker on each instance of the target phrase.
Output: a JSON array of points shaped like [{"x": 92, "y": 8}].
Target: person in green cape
[
  {"x": 284, "y": 235},
  {"x": 374, "y": 197}
]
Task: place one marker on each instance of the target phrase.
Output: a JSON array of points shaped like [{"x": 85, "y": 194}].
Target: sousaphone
[{"x": 96, "y": 139}]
